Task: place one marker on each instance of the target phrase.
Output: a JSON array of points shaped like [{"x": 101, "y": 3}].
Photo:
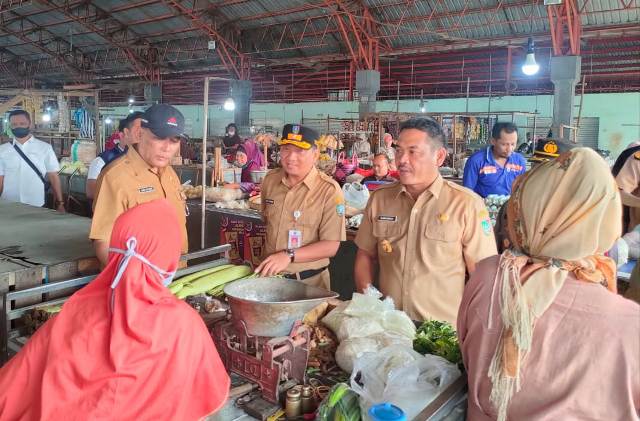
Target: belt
[{"x": 305, "y": 274}]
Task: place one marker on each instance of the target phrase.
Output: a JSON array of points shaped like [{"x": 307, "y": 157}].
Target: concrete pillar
[
  {"x": 242, "y": 92},
  {"x": 565, "y": 73},
  {"x": 368, "y": 85}
]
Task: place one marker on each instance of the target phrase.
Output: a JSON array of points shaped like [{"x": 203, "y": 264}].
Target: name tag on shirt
[
  {"x": 387, "y": 218},
  {"x": 295, "y": 239},
  {"x": 146, "y": 189},
  {"x": 489, "y": 169}
]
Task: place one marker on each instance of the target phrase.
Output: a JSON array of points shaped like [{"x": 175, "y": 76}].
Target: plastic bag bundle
[
  {"x": 355, "y": 195},
  {"x": 399, "y": 375}
]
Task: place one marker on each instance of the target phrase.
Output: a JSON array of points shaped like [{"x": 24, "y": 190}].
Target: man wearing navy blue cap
[
  {"x": 142, "y": 175},
  {"x": 304, "y": 211},
  {"x": 494, "y": 169}
]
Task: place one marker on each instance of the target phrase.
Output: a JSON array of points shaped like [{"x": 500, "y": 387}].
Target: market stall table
[{"x": 241, "y": 228}]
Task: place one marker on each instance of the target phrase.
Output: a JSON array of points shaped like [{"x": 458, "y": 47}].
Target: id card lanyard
[{"x": 294, "y": 239}]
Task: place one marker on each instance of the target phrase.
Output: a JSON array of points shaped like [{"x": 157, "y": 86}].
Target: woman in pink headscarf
[
  {"x": 544, "y": 336},
  {"x": 123, "y": 347},
  {"x": 249, "y": 157}
]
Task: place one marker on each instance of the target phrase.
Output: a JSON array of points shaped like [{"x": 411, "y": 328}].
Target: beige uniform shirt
[
  {"x": 127, "y": 182},
  {"x": 318, "y": 199},
  {"x": 628, "y": 180},
  {"x": 422, "y": 246}
]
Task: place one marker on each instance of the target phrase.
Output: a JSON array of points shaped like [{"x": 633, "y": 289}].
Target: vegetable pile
[
  {"x": 438, "y": 338},
  {"x": 210, "y": 281}
]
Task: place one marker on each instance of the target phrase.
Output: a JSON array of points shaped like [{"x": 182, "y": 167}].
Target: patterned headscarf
[{"x": 562, "y": 216}]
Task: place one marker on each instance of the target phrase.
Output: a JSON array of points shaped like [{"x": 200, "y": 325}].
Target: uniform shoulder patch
[{"x": 637, "y": 155}]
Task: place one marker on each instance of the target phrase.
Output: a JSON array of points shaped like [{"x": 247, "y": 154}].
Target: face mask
[
  {"x": 129, "y": 253},
  {"x": 232, "y": 133},
  {"x": 21, "y": 132}
]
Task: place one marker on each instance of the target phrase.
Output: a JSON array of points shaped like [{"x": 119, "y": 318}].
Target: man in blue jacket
[{"x": 494, "y": 169}]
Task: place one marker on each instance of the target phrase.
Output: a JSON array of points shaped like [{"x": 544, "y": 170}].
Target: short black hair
[
  {"x": 20, "y": 112},
  {"x": 500, "y": 126},
  {"x": 382, "y": 154},
  {"x": 127, "y": 122},
  {"x": 428, "y": 125}
]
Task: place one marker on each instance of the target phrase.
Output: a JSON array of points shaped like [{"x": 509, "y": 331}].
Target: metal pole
[
  {"x": 467, "y": 105},
  {"x": 96, "y": 132},
  {"x": 205, "y": 120},
  {"x": 398, "y": 100}
]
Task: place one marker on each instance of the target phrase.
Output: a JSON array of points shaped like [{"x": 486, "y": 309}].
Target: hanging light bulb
[
  {"x": 46, "y": 117},
  {"x": 229, "y": 104},
  {"x": 131, "y": 99},
  {"x": 530, "y": 67},
  {"x": 108, "y": 120}
]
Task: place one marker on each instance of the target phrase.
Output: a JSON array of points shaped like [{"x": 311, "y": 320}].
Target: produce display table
[{"x": 228, "y": 224}]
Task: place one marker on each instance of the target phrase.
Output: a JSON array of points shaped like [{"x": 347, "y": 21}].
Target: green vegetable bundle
[
  {"x": 341, "y": 404},
  {"x": 438, "y": 338},
  {"x": 211, "y": 281}
]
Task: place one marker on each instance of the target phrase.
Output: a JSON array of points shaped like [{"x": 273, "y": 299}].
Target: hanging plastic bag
[
  {"x": 355, "y": 195},
  {"x": 399, "y": 375}
]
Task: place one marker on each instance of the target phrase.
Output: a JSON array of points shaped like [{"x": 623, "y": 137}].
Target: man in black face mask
[{"x": 28, "y": 166}]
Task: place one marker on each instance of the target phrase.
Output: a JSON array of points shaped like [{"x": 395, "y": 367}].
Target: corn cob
[
  {"x": 213, "y": 280},
  {"x": 192, "y": 277}
]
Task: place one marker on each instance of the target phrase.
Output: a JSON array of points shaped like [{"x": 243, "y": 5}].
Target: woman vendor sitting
[{"x": 248, "y": 157}]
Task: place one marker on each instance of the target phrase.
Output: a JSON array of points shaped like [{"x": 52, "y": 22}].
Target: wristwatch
[{"x": 291, "y": 253}]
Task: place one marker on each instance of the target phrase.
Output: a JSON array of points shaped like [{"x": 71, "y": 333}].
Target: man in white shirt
[
  {"x": 19, "y": 182},
  {"x": 129, "y": 129}
]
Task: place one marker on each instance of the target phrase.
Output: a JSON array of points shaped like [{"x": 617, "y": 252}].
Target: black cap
[
  {"x": 164, "y": 120},
  {"x": 547, "y": 149},
  {"x": 300, "y": 136}
]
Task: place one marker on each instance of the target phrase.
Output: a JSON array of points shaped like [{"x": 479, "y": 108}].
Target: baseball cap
[
  {"x": 547, "y": 149},
  {"x": 297, "y": 135},
  {"x": 164, "y": 120}
]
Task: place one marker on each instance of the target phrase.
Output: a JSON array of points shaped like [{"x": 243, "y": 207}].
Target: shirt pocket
[
  {"x": 443, "y": 232},
  {"x": 386, "y": 229}
]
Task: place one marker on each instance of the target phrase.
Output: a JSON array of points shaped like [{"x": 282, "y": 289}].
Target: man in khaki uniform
[
  {"x": 142, "y": 175},
  {"x": 304, "y": 212},
  {"x": 423, "y": 233},
  {"x": 628, "y": 179}
]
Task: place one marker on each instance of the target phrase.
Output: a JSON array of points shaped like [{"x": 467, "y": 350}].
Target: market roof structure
[{"x": 297, "y": 50}]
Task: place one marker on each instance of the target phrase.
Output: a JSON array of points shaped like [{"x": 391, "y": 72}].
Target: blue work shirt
[{"x": 485, "y": 176}]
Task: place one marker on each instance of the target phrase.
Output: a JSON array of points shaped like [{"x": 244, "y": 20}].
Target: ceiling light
[
  {"x": 530, "y": 67},
  {"x": 131, "y": 99},
  {"x": 229, "y": 104},
  {"x": 46, "y": 117},
  {"x": 108, "y": 120}
]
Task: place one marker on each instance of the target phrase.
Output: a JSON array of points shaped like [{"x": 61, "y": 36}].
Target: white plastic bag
[
  {"x": 368, "y": 306},
  {"x": 355, "y": 195},
  {"x": 633, "y": 241},
  {"x": 399, "y": 375},
  {"x": 334, "y": 319},
  {"x": 353, "y": 327}
]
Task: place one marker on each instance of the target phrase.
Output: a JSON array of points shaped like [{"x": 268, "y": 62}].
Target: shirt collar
[
  {"x": 434, "y": 189},
  {"x": 139, "y": 164},
  {"x": 15, "y": 141},
  {"x": 310, "y": 180},
  {"x": 492, "y": 159}
]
